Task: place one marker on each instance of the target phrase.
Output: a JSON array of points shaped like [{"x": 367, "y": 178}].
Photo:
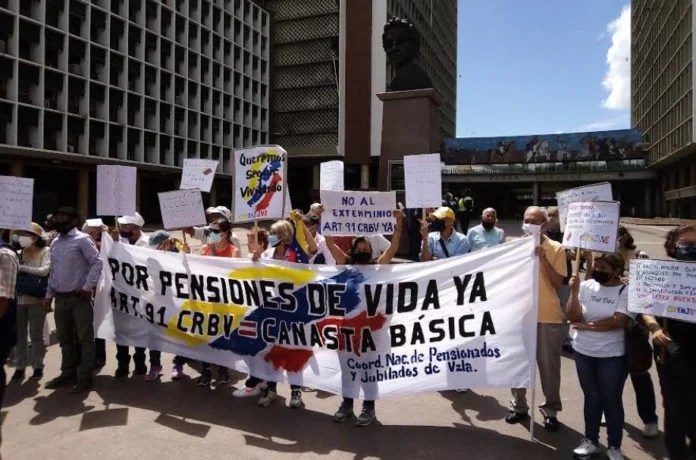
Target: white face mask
[
  {"x": 531, "y": 229},
  {"x": 26, "y": 241}
]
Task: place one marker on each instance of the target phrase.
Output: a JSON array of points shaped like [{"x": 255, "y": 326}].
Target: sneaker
[
  {"x": 650, "y": 430},
  {"x": 246, "y": 392},
  {"x": 603, "y": 422},
  {"x": 367, "y": 416},
  {"x": 344, "y": 412},
  {"x": 462, "y": 390},
  {"x": 516, "y": 417},
  {"x": 267, "y": 397},
  {"x": 140, "y": 369},
  {"x": 205, "y": 378},
  {"x": 81, "y": 387},
  {"x": 18, "y": 375},
  {"x": 121, "y": 372},
  {"x": 177, "y": 372},
  {"x": 296, "y": 399},
  {"x": 60, "y": 381},
  {"x": 586, "y": 448},
  {"x": 614, "y": 453},
  {"x": 223, "y": 375},
  {"x": 153, "y": 374},
  {"x": 37, "y": 375},
  {"x": 551, "y": 424}
]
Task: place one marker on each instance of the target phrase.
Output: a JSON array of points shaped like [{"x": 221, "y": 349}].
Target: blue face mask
[
  {"x": 685, "y": 252},
  {"x": 15, "y": 238},
  {"x": 214, "y": 238},
  {"x": 273, "y": 240}
]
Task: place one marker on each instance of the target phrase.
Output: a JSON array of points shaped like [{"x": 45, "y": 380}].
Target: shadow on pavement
[
  {"x": 487, "y": 407},
  {"x": 16, "y": 393},
  {"x": 655, "y": 447}
]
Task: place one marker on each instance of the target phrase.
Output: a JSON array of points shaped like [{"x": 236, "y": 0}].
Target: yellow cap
[{"x": 443, "y": 213}]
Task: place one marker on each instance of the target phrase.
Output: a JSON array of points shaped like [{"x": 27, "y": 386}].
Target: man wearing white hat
[
  {"x": 130, "y": 231},
  {"x": 213, "y": 213}
]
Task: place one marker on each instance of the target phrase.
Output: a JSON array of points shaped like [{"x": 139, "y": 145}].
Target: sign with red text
[{"x": 260, "y": 182}]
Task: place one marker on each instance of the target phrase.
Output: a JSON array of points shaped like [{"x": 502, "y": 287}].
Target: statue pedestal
[{"x": 410, "y": 125}]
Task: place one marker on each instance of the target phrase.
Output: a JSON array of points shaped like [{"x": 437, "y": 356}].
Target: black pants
[
  {"x": 123, "y": 357},
  {"x": 464, "y": 220},
  {"x": 99, "y": 350},
  {"x": 677, "y": 377},
  {"x": 645, "y": 397}
]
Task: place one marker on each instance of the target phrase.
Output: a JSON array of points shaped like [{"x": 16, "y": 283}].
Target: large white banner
[
  {"x": 258, "y": 190},
  {"x": 358, "y": 213},
  {"x": 368, "y": 331},
  {"x": 663, "y": 288},
  {"x": 16, "y": 202}
]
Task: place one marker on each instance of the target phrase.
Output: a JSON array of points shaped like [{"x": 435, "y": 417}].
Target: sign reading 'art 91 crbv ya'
[{"x": 375, "y": 331}]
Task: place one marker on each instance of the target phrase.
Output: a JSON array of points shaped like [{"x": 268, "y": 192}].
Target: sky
[{"x": 540, "y": 66}]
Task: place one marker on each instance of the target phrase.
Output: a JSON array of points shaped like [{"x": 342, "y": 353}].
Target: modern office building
[
  {"x": 144, "y": 83},
  {"x": 327, "y": 65},
  {"x": 662, "y": 99}
]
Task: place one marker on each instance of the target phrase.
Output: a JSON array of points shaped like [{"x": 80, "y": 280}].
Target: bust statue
[{"x": 401, "y": 42}]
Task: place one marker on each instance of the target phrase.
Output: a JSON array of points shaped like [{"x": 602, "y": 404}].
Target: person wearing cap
[
  {"x": 130, "y": 231},
  {"x": 75, "y": 271},
  {"x": 94, "y": 228},
  {"x": 34, "y": 261},
  {"x": 439, "y": 238},
  {"x": 213, "y": 213}
]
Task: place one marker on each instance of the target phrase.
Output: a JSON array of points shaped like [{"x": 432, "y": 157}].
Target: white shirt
[
  {"x": 379, "y": 244},
  {"x": 322, "y": 248},
  {"x": 598, "y": 302}
]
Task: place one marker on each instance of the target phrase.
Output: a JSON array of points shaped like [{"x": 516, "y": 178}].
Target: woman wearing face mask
[
  {"x": 219, "y": 245},
  {"x": 35, "y": 260},
  {"x": 361, "y": 254},
  {"x": 675, "y": 356},
  {"x": 597, "y": 311},
  {"x": 280, "y": 247}
]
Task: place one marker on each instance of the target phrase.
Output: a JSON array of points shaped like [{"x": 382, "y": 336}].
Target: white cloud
[
  {"x": 617, "y": 79},
  {"x": 618, "y": 122}
]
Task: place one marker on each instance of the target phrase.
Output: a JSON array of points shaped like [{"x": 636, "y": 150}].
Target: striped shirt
[
  {"x": 9, "y": 266},
  {"x": 75, "y": 264}
]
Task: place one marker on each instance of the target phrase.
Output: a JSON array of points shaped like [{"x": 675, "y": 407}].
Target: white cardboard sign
[
  {"x": 181, "y": 208},
  {"x": 592, "y": 225},
  {"x": 331, "y": 176},
  {"x": 423, "y": 180},
  {"x": 116, "y": 187},
  {"x": 358, "y": 213},
  {"x": 594, "y": 192},
  {"x": 664, "y": 288},
  {"x": 16, "y": 202},
  {"x": 198, "y": 174}
]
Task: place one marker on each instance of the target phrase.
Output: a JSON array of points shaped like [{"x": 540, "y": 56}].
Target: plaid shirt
[{"x": 9, "y": 266}]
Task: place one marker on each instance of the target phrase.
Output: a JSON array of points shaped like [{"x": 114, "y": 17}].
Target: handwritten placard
[
  {"x": 423, "y": 180},
  {"x": 594, "y": 192},
  {"x": 592, "y": 225},
  {"x": 258, "y": 191},
  {"x": 331, "y": 176},
  {"x": 664, "y": 288},
  {"x": 358, "y": 213},
  {"x": 16, "y": 202},
  {"x": 181, "y": 208},
  {"x": 116, "y": 187},
  {"x": 198, "y": 174}
]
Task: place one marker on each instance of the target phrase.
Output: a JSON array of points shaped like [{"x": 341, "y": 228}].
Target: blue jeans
[{"x": 602, "y": 381}]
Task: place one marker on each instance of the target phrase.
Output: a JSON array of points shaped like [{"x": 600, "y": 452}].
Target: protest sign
[
  {"x": 664, "y": 288},
  {"x": 358, "y": 213},
  {"x": 181, "y": 208},
  {"x": 258, "y": 189},
  {"x": 594, "y": 192},
  {"x": 16, "y": 202},
  {"x": 116, "y": 187},
  {"x": 331, "y": 176},
  {"x": 592, "y": 225},
  {"x": 370, "y": 331},
  {"x": 198, "y": 174},
  {"x": 423, "y": 181}
]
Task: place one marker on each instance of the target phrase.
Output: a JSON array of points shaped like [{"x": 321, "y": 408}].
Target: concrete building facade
[
  {"x": 136, "y": 82},
  {"x": 662, "y": 100}
]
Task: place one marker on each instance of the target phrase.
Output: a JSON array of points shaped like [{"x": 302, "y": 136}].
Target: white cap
[
  {"x": 135, "y": 219},
  {"x": 94, "y": 223},
  {"x": 226, "y": 213}
]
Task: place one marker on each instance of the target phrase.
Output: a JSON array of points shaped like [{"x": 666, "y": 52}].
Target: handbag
[{"x": 32, "y": 285}]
